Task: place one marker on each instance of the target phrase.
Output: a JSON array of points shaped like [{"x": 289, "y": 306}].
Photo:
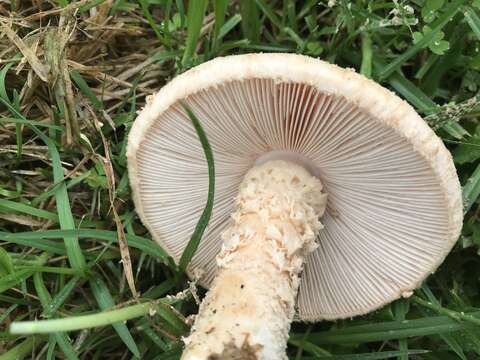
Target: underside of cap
[{"x": 394, "y": 201}]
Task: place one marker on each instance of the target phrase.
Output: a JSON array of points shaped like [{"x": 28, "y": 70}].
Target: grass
[{"x": 72, "y": 76}]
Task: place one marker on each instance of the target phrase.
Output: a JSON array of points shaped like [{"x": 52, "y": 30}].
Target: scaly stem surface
[{"x": 248, "y": 310}]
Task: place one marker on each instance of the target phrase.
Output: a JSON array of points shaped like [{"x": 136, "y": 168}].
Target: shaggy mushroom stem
[{"x": 248, "y": 310}]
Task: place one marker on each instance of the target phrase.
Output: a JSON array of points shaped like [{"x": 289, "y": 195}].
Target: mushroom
[{"x": 295, "y": 139}]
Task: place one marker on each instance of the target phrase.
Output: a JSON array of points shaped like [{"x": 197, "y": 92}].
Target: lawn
[{"x": 73, "y": 75}]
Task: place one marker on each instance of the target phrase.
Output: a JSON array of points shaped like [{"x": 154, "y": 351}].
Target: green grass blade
[
  {"x": 228, "y": 26},
  {"x": 65, "y": 345},
  {"x": 192, "y": 245},
  {"x": 52, "y": 342},
  {"x": 391, "y": 330},
  {"x": 41, "y": 289},
  {"x": 61, "y": 338},
  {"x": 59, "y": 299},
  {"x": 268, "y": 11},
  {"x": 146, "y": 329},
  {"x": 306, "y": 8},
  {"x": 105, "y": 302},
  {"x": 159, "y": 290},
  {"x": 473, "y": 20},
  {"x": 250, "y": 20},
  {"x": 291, "y": 15},
  {"x": 72, "y": 182},
  {"x": 181, "y": 12},
  {"x": 79, "y": 322},
  {"x": 412, "y": 93},
  {"x": 165, "y": 312},
  {"x": 456, "y": 130},
  {"x": 151, "y": 21},
  {"x": 426, "y": 66},
  {"x": 9, "y": 205},
  {"x": 458, "y": 316},
  {"x": 3, "y": 88},
  {"x": 11, "y": 280},
  {"x": 40, "y": 243},
  {"x": 366, "y": 67},
  {"x": 454, "y": 345},
  {"x": 18, "y": 127},
  {"x": 195, "y": 14},
  {"x": 26, "y": 238},
  {"x": 294, "y": 37},
  {"x": 72, "y": 246},
  {"x": 165, "y": 55},
  {"x": 449, "y": 340},
  {"x": 306, "y": 346},
  {"x": 265, "y": 47},
  {"x": 400, "y": 309},
  {"x": 49, "y": 269},
  {"x": 6, "y": 263},
  {"x": 19, "y": 138},
  {"x": 15, "y": 300},
  {"x": 89, "y": 5},
  {"x": 27, "y": 209},
  {"x": 471, "y": 190},
  {"x": 7, "y": 312},
  {"x": 23, "y": 349},
  {"x": 220, "y": 9},
  {"x": 85, "y": 89}
]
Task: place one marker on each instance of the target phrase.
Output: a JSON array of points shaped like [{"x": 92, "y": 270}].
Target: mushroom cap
[{"x": 394, "y": 200}]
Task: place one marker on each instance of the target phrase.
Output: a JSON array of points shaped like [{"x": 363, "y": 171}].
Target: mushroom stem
[{"x": 248, "y": 310}]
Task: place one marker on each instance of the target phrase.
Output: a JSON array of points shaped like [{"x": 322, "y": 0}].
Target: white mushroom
[{"x": 292, "y": 136}]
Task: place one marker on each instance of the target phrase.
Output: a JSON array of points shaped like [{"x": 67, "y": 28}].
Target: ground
[{"x": 73, "y": 75}]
